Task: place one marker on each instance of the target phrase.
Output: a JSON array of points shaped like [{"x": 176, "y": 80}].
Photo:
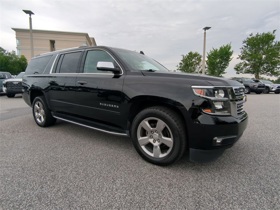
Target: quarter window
[
  {"x": 37, "y": 65},
  {"x": 93, "y": 57}
]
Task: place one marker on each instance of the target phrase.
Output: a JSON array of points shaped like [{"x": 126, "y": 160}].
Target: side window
[
  {"x": 68, "y": 63},
  {"x": 93, "y": 57},
  {"x": 38, "y": 65}
]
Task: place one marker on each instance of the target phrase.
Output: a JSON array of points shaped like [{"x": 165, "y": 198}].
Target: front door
[{"x": 99, "y": 93}]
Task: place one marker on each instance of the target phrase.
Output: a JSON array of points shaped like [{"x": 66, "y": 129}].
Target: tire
[
  {"x": 10, "y": 95},
  {"x": 158, "y": 135},
  {"x": 41, "y": 113},
  {"x": 266, "y": 90},
  {"x": 276, "y": 92},
  {"x": 247, "y": 90}
]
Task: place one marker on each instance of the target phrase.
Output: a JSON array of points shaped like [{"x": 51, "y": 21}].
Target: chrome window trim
[
  {"x": 87, "y": 50},
  {"x": 53, "y": 63}
]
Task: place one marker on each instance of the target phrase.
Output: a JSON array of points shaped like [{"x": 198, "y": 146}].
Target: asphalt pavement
[{"x": 71, "y": 167}]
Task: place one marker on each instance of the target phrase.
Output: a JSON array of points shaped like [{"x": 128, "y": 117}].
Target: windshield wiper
[{"x": 150, "y": 70}]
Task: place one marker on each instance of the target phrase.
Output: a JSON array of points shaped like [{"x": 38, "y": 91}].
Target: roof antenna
[{"x": 141, "y": 52}]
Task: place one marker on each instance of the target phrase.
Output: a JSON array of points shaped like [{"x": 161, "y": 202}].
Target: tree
[
  {"x": 12, "y": 63},
  {"x": 190, "y": 63},
  {"x": 260, "y": 54},
  {"x": 218, "y": 60},
  {"x": 277, "y": 81}
]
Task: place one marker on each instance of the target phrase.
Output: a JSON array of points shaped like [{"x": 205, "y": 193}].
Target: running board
[{"x": 87, "y": 126}]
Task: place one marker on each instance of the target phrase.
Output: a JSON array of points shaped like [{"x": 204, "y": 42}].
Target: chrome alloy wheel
[
  {"x": 155, "y": 137},
  {"x": 39, "y": 112}
]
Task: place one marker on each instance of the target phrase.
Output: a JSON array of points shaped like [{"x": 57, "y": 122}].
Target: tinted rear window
[
  {"x": 38, "y": 65},
  {"x": 68, "y": 63}
]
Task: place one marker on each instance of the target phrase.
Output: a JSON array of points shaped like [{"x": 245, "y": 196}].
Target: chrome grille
[
  {"x": 239, "y": 99},
  {"x": 14, "y": 85}
]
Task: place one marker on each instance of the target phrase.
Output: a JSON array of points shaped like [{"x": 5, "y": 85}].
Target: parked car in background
[
  {"x": 270, "y": 86},
  {"x": 3, "y": 76},
  {"x": 13, "y": 86},
  {"x": 250, "y": 85}
]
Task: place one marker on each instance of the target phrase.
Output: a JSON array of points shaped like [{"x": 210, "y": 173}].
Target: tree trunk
[{"x": 257, "y": 75}]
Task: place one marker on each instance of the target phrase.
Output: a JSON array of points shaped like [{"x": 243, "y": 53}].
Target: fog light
[
  {"x": 218, "y": 140},
  {"x": 223, "y": 140}
]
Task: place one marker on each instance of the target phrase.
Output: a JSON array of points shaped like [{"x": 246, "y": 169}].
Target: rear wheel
[
  {"x": 41, "y": 113},
  {"x": 158, "y": 135}
]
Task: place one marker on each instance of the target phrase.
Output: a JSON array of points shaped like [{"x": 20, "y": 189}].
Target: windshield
[
  {"x": 20, "y": 75},
  {"x": 248, "y": 80},
  {"x": 266, "y": 82},
  {"x": 139, "y": 62}
]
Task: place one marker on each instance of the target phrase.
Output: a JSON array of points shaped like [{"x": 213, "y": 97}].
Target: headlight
[
  {"x": 219, "y": 93},
  {"x": 218, "y": 99}
]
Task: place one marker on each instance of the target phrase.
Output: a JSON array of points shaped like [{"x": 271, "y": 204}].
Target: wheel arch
[
  {"x": 140, "y": 103},
  {"x": 35, "y": 93}
]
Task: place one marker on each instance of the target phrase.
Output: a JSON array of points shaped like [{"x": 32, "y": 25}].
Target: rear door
[{"x": 61, "y": 89}]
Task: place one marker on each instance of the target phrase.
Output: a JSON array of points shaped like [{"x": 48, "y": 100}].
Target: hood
[
  {"x": 13, "y": 80},
  {"x": 195, "y": 79}
]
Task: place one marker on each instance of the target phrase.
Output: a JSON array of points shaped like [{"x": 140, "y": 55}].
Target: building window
[
  {"x": 18, "y": 52},
  {"x": 18, "y": 41},
  {"x": 52, "y": 45}
]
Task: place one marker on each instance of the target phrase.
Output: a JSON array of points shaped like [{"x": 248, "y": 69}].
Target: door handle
[{"x": 82, "y": 82}]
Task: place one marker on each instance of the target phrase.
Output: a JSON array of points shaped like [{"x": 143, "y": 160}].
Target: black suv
[
  {"x": 251, "y": 85},
  {"x": 127, "y": 93}
]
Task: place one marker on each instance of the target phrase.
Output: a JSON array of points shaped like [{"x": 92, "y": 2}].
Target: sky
[{"x": 164, "y": 29}]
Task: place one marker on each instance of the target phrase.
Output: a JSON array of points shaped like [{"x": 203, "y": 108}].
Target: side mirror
[{"x": 107, "y": 66}]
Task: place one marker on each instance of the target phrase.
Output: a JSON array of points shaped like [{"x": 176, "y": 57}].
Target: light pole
[
  {"x": 29, "y": 12},
  {"x": 204, "y": 49}
]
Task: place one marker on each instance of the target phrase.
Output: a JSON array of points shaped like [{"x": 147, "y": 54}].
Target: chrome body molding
[{"x": 87, "y": 126}]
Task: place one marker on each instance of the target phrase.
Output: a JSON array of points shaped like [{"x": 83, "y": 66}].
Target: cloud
[{"x": 163, "y": 29}]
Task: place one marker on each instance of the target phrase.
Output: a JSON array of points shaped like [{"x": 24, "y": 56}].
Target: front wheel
[
  {"x": 10, "y": 95},
  {"x": 247, "y": 90},
  {"x": 266, "y": 90},
  {"x": 41, "y": 113},
  {"x": 158, "y": 135}
]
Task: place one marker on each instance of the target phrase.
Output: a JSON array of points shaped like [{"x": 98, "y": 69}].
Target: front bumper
[
  {"x": 258, "y": 89},
  {"x": 212, "y": 135},
  {"x": 12, "y": 88},
  {"x": 276, "y": 89}
]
